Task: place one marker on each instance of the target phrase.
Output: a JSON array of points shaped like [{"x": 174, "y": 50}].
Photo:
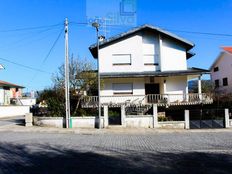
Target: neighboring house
[
  {"x": 9, "y": 91},
  {"x": 221, "y": 71},
  {"x": 146, "y": 65}
]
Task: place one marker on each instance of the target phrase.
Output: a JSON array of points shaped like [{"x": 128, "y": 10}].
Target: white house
[
  {"x": 146, "y": 65},
  {"x": 221, "y": 71}
]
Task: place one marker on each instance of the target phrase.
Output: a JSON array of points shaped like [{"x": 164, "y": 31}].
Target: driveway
[
  {"x": 173, "y": 152},
  {"x": 17, "y": 120}
]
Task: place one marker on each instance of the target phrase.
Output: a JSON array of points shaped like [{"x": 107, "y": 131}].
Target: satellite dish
[{"x": 1, "y": 66}]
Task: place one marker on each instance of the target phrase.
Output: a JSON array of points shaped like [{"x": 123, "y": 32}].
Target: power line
[
  {"x": 49, "y": 52},
  {"x": 119, "y": 27},
  {"x": 202, "y": 33},
  {"x": 53, "y": 45},
  {"x": 27, "y": 37},
  {"x": 30, "y": 28},
  {"x": 24, "y": 66}
]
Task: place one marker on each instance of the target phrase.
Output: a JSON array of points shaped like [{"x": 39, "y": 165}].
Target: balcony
[{"x": 159, "y": 99}]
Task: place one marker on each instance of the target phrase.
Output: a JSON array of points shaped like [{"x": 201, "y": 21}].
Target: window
[
  {"x": 215, "y": 69},
  {"x": 216, "y": 83},
  {"x": 122, "y": 88},
  {"x": 150, "y": 59},
  {"x": 149, "y": 56},
  {"x": 225, "y": 81},
  {"x": 121, "y": 59}
]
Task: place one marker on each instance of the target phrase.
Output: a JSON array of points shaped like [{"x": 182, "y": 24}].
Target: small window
[
  {"x": 225, "y": 81},
  {"x": 121, "y": 59},
  {"x": 122, "y": 88},
  {"x": 215, "y": 69},
  {"x": 150, "y": 59},
  {"x": 216, "y": 83}
]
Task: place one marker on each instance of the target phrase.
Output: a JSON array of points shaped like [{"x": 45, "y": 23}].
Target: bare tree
[{"x": 82, "y": 79}]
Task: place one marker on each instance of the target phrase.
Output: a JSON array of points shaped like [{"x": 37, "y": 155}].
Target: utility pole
[
  {"x": 97, "y": 25},
  {"x": 67, "y": 99}
]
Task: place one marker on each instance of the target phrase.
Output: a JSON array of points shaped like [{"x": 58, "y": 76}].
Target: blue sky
[{"x": 30, "y": 47}]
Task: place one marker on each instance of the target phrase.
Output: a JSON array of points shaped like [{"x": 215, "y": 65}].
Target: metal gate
[
  {"x": 114, "y": 115},
  {"x": 207, "y": 118}
]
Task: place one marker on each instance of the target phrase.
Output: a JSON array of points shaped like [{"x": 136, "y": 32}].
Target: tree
[
  {"x": 54, "y": 99},
  {"x": 82, "y": 79}
]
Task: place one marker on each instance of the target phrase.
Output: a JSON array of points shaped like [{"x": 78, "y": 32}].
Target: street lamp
[{"x": 97, "y": 25}]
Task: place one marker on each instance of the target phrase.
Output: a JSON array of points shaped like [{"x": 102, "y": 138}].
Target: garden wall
[
  {"x": 76, "y": 122},
  {"x": 11, "y": 111}
]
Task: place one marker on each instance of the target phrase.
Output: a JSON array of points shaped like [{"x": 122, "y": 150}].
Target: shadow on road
[
  {"x": 52, "y": 159},
  {"x": 20, "y": 120}
]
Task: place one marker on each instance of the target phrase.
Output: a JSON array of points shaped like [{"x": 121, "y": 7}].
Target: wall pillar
[
  {"x": 227, "y": 118},
  {"x": 199, "y": 87},
  {"x": 28, "y": 119},
  {"x": 155, "y": 116},
  {"x": 165, "y": 87},
  {"x": 186, "y": 119},
  {"x": 106, "y": 117},
  {"x": 123, "y": 116}
]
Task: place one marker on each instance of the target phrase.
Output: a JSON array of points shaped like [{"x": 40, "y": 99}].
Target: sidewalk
[{"x": 111, "y": 130}]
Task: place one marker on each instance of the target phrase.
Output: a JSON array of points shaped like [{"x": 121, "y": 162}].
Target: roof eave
[
  {"x": 189, "y": 45},
  {"x": 195, "y": 71}
]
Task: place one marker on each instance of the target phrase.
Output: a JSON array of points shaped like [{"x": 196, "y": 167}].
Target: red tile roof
[
  {"x": 228, "y": 49},
  {"x": 3, "y": 83}
]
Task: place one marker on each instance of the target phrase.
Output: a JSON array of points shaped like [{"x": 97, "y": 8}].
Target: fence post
[
  {"x": 155, "y": 116},
  {"x": 227, "y": 118},
  {"x": 123, "y": 115},
  {"x": 186, "y": 119},
  {"x": 106, "y": 118}
]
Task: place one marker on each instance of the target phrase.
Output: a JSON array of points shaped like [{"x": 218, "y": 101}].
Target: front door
[{"x": 152, "y": 88}]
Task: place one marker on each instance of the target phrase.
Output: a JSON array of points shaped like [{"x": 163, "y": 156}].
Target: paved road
[
  {"x": 187, "y": 152},
  {"x": 19, "y": 120}
]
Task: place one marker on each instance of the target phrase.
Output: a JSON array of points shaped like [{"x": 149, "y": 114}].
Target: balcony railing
[{"x": 159, "y": 99}]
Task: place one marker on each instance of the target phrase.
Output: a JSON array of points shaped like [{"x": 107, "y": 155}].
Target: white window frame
[
  {"x": 115, "y": 62},
  {"x": 119, "y": 91}
]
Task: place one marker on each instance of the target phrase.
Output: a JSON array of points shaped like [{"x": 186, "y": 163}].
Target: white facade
[
  {"x": 222, "y": 69},
  {"x": 145, "y": 65},
  {"x": 173, "y": 56},
  {"x": 143, "y": 52}
]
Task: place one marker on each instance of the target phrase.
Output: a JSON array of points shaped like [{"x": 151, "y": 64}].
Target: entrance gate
[
  {"x": 207, "y": 118},
  {"x": 114, "y": 115}
]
